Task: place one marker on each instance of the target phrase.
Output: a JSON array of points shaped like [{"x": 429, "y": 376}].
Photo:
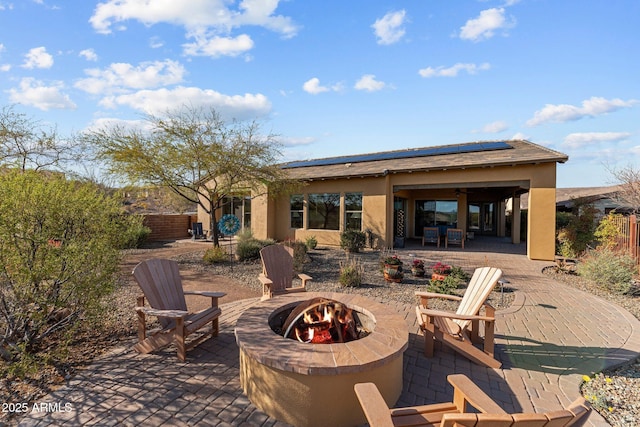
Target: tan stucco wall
[{"x": 542, "y": 220}]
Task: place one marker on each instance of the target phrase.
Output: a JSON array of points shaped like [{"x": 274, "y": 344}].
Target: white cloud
[
  {"x": 89, "y": 55},
  {"x": 484, "y": 26},
  {"x": 369, "y": 83},
  {"x": 219, "y": 46},
  {"x": 5, "y": 67},
  {"x": 195, "y": 14},
  {"x": 313, "y": 86},
  {"x": 390, "y": 28},
  {"x": 591, "y": 107},
  {"x": 240, "y": 107},
  {"x": 121, "y": 76},
  {"x": 495, "y": 127},
  {"x": 519, "y": 135},
  {"x": 155, "y": 43},
  {"x": 36, "y": 94},
  {"x": 453, "y": 71},
  {"x": 583, "y": 139},
  {"x": 295, "y": 142},
  {"x": 38, "y": 58}
]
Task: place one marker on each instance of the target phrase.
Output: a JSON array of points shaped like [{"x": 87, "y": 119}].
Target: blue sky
[{"x": 343, "y": 77}]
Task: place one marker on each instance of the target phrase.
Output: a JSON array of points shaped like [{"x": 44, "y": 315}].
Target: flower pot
[
  {"x": 418, "y": 272},
  {"x": 438, "y": 276},
  {"x": 393, "y": 273}
]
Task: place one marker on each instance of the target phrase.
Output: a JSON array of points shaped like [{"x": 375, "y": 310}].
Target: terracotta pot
[
  {"x": 393, "y": 273},
  {"x": 437, "y": 276}
]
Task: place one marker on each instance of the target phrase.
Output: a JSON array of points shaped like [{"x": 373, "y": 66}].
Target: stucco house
[{"x": 392, "y": 195}]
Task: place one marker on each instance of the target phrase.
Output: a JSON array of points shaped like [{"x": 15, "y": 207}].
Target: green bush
[
  {"x": 299, "y": 254},
  {"x": 578, "y": 233},
  {"x": 249, "y": 249},
  {"x": 612, "y": 271},
  {"x": 311, "y": 242},
  {"x": 136, "y": 233},
  {"x": 351, "y": 273},
  {"x": 446, "y": 286},
  {"x": 352, "y": 240},
  {"x": 214, "y": 255},
  {"x": 58, "y": 258},
  {"x": 459, "y": 274}
]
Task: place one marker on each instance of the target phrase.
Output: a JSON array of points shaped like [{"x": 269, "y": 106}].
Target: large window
[
  {"x": 297, "y": 209},
  {"x": 433, "y": 213},
  {"x": 324, "y": 211},
  {"x": 353, "y": 211}
]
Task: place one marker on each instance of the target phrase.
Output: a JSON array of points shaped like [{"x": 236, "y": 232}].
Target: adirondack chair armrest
[
  {"x": 206, "y": 293},
  {"x": 425, "y": 296},
  {"x": 373, "y": 405},
  {"x": 265, "y": 280},
  {"x": 174, "y": 314},
  {"x": 451, "y": 315},
  {"x": 466, "y": 391},
  {"x": 305, "y": 278}
]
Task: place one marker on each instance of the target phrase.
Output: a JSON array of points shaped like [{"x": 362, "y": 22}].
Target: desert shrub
[
  {"x": 574, "y": 238},
  {"x": 351, "y": 273},
  {"x": 459, "y": 274},
  {"x": 135, "y": 232},
  {"x": 610, "y": 270},
  {"x": 352, "y": 240},
  {"x": 59, "y": 257},
  {"x": 215, "y": 255},
  {"x": 249, "y": 249},
  {"x": 299, "y": 253},
  {"x": 311, "y": 242},
  {"x": 446, "y": 286},
  {"x": 608, "y": 231}
]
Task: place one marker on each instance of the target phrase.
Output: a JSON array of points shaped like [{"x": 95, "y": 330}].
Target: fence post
[{"x": 633, "y": 236}]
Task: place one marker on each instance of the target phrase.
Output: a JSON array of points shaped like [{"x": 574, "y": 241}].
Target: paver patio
[{"x": 550, "y": 336}]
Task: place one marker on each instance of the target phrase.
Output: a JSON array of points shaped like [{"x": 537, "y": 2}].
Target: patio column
[
  {"x": 515, "y": 220},
  {"x": 542, "y": 220}
]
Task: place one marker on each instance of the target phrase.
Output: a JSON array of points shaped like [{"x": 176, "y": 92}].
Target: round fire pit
[{"x": 307, "y": 384}]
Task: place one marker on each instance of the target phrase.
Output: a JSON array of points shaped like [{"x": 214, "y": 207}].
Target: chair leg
[
  {"x": 142, "y": 327},
  {"x": 215, "y": 327},
  {"x": 179, "y": 338},
  {"x": 428, "y": 339}
]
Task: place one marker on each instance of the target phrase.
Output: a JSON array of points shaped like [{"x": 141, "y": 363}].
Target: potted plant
[
  {"x": 440, "y": 271},
  {"x": 392, "y": 269},
  {"x": 417, "y": 268}
]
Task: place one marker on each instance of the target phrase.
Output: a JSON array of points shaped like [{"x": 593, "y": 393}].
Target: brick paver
[{"x": 548, "y": 339}]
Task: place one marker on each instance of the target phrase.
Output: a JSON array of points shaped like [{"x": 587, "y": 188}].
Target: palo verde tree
[
  {"x": 196, "y": 154},
  {"x": 26, "y": 143},
  {"x": 59, "y": 252}
]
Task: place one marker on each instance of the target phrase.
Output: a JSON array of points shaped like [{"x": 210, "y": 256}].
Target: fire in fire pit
[{"x": 321, "y": 321}]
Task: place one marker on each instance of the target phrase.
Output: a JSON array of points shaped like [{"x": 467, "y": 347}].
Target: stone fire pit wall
[{"x": 312, "y": 384}]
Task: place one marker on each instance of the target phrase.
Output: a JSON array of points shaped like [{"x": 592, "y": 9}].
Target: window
[
  {"x": 324, "y": 211},
  {"x": 432, "y": 213},
  {"x": 353, "y": 211},
  {"x": 240, "y": 206},
  {"x": 297, "y": 208}
]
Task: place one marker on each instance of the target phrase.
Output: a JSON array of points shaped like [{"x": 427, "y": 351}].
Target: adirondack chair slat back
[
  {"x": 480, "y": 286},
  {"x": 160, "y": 282},
  {"x": 277, "y": 265}
]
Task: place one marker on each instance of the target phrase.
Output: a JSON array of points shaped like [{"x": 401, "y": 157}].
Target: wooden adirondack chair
[
  {"x": 459, "y": 330},
  {"x": 453, "y": 414},
  {"x": 160, "y": 282},
  {"x": 277, "y": 271},
  {"x": 454, "y": 236},
  {"x": 431, "y": 235}
]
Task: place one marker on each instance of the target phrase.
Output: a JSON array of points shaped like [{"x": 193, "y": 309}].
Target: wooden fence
[{"x": 629, "y": 237}]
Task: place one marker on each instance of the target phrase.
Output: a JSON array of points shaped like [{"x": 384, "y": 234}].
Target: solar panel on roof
[{"x": 392, "y": 155}]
